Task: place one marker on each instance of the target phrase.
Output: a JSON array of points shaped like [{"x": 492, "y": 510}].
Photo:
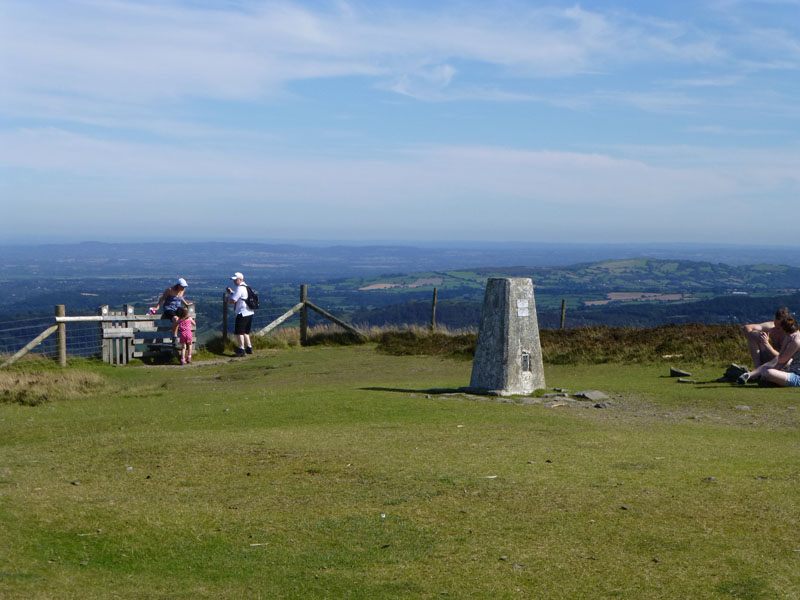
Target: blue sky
[{"x": 612, "y": 121}]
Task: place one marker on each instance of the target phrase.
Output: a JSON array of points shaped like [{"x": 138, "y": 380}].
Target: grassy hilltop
[{"x": 343, "y": 472}]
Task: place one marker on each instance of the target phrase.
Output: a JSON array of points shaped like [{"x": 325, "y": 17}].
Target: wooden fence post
[
  {"x": 303, "y": 315},
  {"x": 563, "y": 312},
  {"x": 61, "y": 336},
  {"x": 106, "y": 348},
  {"x": 433, "y": 311},
  {"x": 224, "y": 319}
]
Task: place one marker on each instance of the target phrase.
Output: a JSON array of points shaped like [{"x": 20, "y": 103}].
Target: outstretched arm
[{"x": 162, "y": 299}]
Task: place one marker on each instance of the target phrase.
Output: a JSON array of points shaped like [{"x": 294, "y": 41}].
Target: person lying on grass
[
  {"x": 765, "y": 339},
  {"x": 784, "y": 369}
]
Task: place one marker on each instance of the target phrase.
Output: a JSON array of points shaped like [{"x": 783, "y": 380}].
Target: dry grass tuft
[
  {"x": 695, "y": 342},
  {"x": 31, "y": 388}
]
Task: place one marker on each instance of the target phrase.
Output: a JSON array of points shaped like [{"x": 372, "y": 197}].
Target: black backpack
[{"x": 252, "y": 298}]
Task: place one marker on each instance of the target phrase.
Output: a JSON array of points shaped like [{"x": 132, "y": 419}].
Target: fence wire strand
[{"x": 84, "y": 339}]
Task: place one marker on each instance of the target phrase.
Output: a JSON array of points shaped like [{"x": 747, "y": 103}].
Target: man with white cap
[{"x": 244, "y": 315}]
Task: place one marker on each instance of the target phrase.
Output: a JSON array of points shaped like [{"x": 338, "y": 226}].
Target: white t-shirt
[{"x": 239, "y": 297}]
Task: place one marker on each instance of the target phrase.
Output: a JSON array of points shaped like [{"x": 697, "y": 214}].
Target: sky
[{"x": 540, "y": 121}]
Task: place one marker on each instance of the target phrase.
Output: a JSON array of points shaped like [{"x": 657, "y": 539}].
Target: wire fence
[
  {"x": 267, "y": 314},
  {"x": 83, "y": 339}
]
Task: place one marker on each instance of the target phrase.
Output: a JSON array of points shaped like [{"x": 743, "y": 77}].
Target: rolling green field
[{"x": 344, "y": 473}]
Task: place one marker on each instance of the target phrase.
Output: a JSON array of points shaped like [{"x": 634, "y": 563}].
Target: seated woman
[
  {"x": 784, "y": 369},
  {"x": 172, "y": 299}
]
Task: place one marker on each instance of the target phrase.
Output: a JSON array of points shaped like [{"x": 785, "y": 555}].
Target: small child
[{"x": 185, "y": 322}]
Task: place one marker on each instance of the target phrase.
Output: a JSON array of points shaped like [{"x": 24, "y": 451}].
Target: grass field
[{"x": 340, "y": 472}]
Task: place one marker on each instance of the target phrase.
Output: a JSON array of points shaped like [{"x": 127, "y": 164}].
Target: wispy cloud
[
  {"x": 125, "y": 51},
  {"x": 441, "y": 107}
]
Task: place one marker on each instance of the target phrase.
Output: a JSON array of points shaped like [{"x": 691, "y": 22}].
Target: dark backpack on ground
[
  {"x": 252, "y": 298},
  {"x": 732, "y": 373}
]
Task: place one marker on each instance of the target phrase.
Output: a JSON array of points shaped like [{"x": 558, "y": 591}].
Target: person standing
[
  {"x": 185, "y": 323},
  {"x": 244, "y": 315}
]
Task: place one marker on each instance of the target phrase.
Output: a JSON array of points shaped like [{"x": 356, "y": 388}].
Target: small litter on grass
[
  {"x": 672, "y": 356},
  {"x": 90, "y": 533},
  {"x": 491, "y": 477},
  {"x": 262, "y": 544},
  {"x": 673, "y": 372}
]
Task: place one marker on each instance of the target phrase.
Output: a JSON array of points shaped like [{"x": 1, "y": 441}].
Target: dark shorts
[
  {"x": 242, "y": 325},
  {"x": 169, "y": 315}
]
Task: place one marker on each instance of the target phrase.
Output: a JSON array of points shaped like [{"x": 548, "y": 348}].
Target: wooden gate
[{"x": 126, "y": 335}]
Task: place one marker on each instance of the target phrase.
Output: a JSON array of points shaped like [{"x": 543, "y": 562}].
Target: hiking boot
[
  {"x": 240, "y": 352},
  {"x": 249, "y": 350}
]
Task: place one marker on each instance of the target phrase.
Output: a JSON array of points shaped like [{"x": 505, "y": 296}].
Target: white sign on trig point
[{"x": 522, "y": 307}]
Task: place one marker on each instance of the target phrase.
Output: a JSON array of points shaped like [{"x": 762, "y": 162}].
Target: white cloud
[
  {"x": 415, "y": 178},
  {"x": 126, "y": 51}
]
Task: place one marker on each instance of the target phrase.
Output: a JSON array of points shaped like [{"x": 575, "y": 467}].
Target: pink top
[{"x": 185, "y": 329}]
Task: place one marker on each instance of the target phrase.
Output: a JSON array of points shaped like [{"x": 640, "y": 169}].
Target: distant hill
[{"x": 394, "y": 284}]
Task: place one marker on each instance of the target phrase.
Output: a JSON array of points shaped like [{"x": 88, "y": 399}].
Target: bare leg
[
  {"x": 754, "y": 346},
  {"x": 778, "y": 377}
]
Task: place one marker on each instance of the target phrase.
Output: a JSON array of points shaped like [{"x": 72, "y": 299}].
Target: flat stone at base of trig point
[
  {"x": 673, "y": 372},
  {"x": 593, "y": 395}
]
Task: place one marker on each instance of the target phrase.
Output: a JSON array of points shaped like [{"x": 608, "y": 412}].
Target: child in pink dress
[{"x": 185, "y": 322}]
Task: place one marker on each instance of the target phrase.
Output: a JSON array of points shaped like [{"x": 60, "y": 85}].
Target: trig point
[{"x": 508, "y": 358}]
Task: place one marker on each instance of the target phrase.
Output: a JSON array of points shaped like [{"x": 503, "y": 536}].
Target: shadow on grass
[{"x": 416, "y": 391}]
